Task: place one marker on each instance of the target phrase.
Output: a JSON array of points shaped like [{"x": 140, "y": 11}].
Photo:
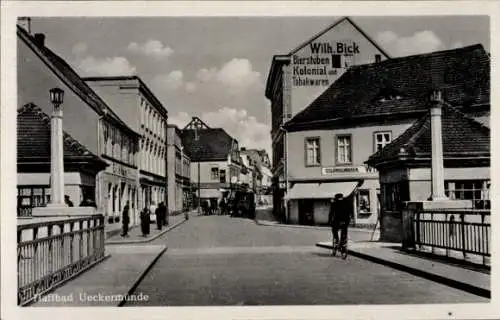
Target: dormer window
[{"x": 388, "y": 94}]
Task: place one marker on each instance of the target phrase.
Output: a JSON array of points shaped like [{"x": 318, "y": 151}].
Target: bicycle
[{"x": 341, "y": 248}]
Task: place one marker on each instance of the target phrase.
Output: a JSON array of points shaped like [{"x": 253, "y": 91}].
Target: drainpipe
[{"x": 285, "y": 164}]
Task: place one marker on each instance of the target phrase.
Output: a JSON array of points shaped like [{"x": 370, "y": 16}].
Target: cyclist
[{"x": 339, "y": 219}]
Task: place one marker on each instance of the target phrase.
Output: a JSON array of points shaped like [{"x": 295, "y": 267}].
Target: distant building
[
  {"x": 137, "y": 105},
  {"x": 87, "y": 119},
  {"x": 216, "y": 156},
  {"x": 179, "y": 169},
  {"x": 404, "y": 166},
  {"x": 262, "y": 165},
  {"x": 297, "y": 78},
  {"x": 362, "y": 112}
]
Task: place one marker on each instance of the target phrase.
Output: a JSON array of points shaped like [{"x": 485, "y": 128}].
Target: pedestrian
[
  {"x": 339, "y": 218},
  {"x": 68, "y": 202},
  {"x": 159, "y": 219},
  {"x": 164, "y": 214},
  {"x": 125, "y": 219},
  {"x": 145, "y": 221}
]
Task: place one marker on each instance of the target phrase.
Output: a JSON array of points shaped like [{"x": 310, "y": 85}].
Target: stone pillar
[
  {"x": 56, "y": 159},
  {"x": 437, "y": 168}
]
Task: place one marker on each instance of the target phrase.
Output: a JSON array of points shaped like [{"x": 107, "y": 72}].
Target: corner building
[{"x": 299, "y": 77}]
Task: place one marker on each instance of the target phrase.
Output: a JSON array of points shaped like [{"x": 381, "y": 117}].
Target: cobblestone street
[{"x": 217, "y": 260}]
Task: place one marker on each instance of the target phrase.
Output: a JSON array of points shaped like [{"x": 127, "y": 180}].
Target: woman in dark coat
[{"x": 145, "y": 222}]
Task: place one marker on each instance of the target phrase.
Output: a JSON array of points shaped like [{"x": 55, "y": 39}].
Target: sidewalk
[
  {"x": 106, "y": 283},
  {"x": 299, "y": 226},
  {"x": 390, "y": 254},
  {"x": 135, "y": 234}
]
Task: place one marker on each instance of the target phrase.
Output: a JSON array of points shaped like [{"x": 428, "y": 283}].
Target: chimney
[
  {"x": 378, "y": 58},
  {"x": 40, "y": 39},
  {"x": 25, "y": 23},
  {"x": 437, "y": 169}
]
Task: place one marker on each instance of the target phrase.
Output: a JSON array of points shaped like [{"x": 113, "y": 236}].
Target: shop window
[
  {"x": 222, "y": 176},
  {"x": 312, "y": 152},
  {"x": 363, "y": 203},
  {"x": 344, "y": 149},
  {"x": 381, "y": 139},
  {"x": 214, "y": 173}
]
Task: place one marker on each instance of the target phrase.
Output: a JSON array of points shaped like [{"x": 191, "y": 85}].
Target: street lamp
[
  {"x": 57, "y": 161},
  {"x": 56, "y": 97}
]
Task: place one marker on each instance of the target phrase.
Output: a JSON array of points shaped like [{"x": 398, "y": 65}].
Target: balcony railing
[{"x": 51, "y": 252}]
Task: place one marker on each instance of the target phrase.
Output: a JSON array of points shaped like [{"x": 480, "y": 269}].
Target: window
[
  {"x": 344, "y": 150},
  {"x": 223, "y": 176},
  {"x": 312, "y": 152},
  {"x": 467, "y": 189},
  {"x": 381, "y": 139},
  {"x": 395, "y": 194},
  {"x": 336, "y": 61},
  {"x": 214, "y": 174},
  {"x": 32, "y": 196}
]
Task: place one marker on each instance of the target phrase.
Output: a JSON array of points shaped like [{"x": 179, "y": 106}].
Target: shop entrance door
[{"x": 306, "y": 212}]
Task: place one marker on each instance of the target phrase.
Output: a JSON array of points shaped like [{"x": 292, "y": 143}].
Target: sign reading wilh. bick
[{"x": 321, "y": 63}]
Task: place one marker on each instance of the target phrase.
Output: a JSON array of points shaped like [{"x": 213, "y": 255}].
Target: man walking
[
  {"x": 339, "y": 218},
  {"x": 125, "y": 220},
  {"x": 159, "y": 217}
]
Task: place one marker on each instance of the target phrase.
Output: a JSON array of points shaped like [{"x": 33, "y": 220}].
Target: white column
[
  {"x": 437, "y": 148},
  {"x": 57, "y": 159}
]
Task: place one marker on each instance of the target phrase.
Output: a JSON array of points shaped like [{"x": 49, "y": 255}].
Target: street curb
[
  {"x": 420, "y": 273},
  {"x": 141, "y": 276},
  {"x": 149, "y": 239},
  {"x": 298, "y": 226}
]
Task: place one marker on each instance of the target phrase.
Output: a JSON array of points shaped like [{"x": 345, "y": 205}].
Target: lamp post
[{"x": 57, "y": 160}]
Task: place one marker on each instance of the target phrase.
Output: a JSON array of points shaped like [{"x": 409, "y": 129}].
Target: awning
[
  {"x": 210, "y": 193},
  {"x": 325, "y": 190}
]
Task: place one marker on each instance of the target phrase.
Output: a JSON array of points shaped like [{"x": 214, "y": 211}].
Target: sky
[{"x": 216, "y": 67}]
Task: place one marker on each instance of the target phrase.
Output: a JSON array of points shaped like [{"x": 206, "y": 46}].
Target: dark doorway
[{"x": 306, "y": 212}]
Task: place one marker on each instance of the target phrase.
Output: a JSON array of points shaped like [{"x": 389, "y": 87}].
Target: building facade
[
  {"x": 140, "y": 109},
  {"x": 362, "y": 112},
  {"x": 299, "y": 77},
  {"x": 179, "y": 168},
  {"x": 405, "y": 166},
  {"x": 87, "y": 118},
  {"x": 263, "y": 180},
  {"x": 215, "y": 161}
]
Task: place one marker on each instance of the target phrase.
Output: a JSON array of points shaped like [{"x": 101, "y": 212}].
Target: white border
[{"x": 10, "y": 10}]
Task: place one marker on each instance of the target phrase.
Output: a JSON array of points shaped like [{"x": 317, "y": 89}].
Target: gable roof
[
  {"x": 67, "y": 75},
  {"x": 457, "y": 130},
  {"x": 278, "y": 60},
  {"x": 462, "y": 74},
  {"x": 33, "y": 139},
  {"x": 214, "y": 144},
  {"x": 333, "y": 25}
]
